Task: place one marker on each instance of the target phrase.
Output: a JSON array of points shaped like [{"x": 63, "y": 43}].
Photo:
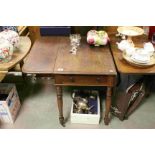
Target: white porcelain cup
[{"x": 149, "y": 48}]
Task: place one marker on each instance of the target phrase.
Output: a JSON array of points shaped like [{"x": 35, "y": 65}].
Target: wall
[
  {"x": 84, "y": 29},
  {"x": 35, "y": 31}
]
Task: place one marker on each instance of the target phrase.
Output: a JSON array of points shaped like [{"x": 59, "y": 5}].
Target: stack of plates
[{"x": 139, "y": 58}]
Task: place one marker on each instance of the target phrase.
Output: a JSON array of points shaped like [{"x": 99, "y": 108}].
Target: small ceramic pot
[
  {"x": 97, "y": 38},
  {"x": 6, "y": 50}
]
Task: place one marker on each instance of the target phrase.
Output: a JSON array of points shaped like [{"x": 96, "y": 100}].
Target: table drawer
[{"x": 87, "y": 80}]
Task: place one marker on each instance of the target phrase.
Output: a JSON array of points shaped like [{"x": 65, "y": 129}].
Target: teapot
[{"x": 125, "y": 44}]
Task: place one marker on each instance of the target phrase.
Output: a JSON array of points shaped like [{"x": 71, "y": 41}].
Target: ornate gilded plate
[{"x": 130, "y": 30}]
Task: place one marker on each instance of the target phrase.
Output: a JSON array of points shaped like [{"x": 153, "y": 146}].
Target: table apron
[{"x": 85, "y": 80}]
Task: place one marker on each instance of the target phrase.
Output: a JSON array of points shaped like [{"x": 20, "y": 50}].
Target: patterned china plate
[{"x": 130, "y": 30}]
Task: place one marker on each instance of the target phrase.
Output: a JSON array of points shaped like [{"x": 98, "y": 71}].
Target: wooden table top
[
  {"x": 89, "y": 60},
  {"x": 42, "y": 57},
  {"x": 18, "y": 55},
  {"x": 123, "y": 66},
  {"x": 51, "y": 55}
]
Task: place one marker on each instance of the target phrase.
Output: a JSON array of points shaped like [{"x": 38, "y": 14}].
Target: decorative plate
[
  {"x": 130, "y": 30},
  {"x": 138, "y": 64}
]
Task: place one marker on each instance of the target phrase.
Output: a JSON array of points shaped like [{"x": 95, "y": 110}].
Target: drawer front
[{"x": 86, "y": 80}]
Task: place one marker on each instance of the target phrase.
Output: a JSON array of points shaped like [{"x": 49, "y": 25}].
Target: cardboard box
[
  {"x": 9, "y": 103},
  {"x": 87, "y": 118}
]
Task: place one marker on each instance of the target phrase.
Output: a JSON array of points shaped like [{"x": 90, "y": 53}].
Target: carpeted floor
[{"x": 39, "y": 108}]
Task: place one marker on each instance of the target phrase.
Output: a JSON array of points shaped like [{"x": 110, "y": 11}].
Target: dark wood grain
[
  {"x": 89, "y": 60},
  {"x": 85, "y": 80},
  {"x": 42, "y": 57},
  {"x": 60, "y": 104},
  {"x": 108, "y": 105}
]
